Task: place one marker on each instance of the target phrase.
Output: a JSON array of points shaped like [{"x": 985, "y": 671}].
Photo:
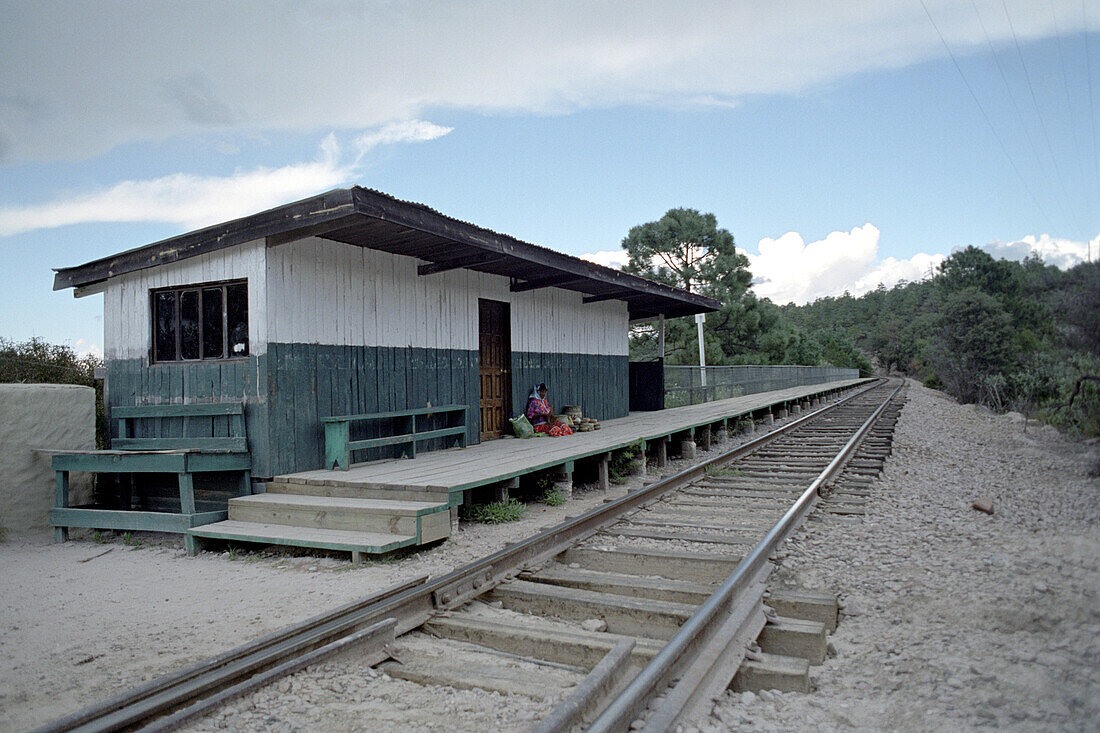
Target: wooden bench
[
  {"x": 339, "y": 446},
  {"x": 181, "y": 455}
]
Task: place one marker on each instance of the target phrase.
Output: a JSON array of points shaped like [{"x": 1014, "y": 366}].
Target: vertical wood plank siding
[
  {"x": 416, "y": 377},
  {"x": 134, "y": 382},
  {"x": 325, "y": 292}
]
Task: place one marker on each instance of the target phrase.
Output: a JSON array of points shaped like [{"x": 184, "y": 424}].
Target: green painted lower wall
[
  {"x": 599, "y": 384},
  {"x": 135, "y": 382},
  {"x": 308, "y": 382},
  {"x": 292, "y": 387}
]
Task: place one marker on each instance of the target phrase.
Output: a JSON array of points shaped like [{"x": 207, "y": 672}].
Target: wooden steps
[
  {"x": 282, "y": 486},
  {"x": 334, "y": 518},
  {"x": 371, "y": 543}
]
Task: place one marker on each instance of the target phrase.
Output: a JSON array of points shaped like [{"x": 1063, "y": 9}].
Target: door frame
[{"x": 506, "y": 339}]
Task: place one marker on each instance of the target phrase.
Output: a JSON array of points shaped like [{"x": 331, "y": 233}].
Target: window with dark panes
[{"x": 207, "y": 321}]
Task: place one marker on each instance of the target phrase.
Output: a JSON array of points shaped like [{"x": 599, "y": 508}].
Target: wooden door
[{"x": 494, "y": 367}]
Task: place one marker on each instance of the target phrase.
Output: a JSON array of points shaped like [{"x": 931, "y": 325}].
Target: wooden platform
[
  {"x": 457, "y": 469},
  {"x": 377, "y": 507}
]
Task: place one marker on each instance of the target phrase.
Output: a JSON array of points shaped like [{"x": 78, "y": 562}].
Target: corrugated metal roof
[{"x": 370, "y": 218}]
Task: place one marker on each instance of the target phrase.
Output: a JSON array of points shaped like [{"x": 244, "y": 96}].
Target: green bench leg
[
  {"x": 187, "y": 507},
  {"x": 187, "y": 493},
  {"x": 61, "y": 500},
  {"x": 246, "y": 483},
  {"x": 337, "y": 454}
]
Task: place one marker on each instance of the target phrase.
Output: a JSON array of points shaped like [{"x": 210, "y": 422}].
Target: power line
[
  {"x": 1008, "y": 88},
  {"x": 1092, "y": 108},
  {"x": 1004, "y": 148},
  {"x": 1065, "y": 83},
  {"x": 1042, "y": 124}
]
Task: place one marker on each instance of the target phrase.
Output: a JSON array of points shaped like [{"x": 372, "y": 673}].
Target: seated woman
[{"x": 541, "y": 416}]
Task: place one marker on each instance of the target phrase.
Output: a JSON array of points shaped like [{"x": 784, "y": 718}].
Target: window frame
[{"x": 178, "y": 291}]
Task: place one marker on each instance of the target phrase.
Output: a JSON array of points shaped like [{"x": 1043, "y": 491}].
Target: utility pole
[{"x": 699, "y": 319}]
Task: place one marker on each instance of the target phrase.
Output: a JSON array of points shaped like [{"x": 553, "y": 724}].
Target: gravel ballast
[{"x": 954, "y": 619}]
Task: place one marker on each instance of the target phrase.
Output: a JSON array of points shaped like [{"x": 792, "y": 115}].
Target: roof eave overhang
[
  {"x": 343, "y": 208},
  {"x": 304, "y": 215}
]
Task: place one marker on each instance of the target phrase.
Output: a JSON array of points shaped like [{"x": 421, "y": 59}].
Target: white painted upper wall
[
  {"x": 127, "y": 309},
  {"x": 324, "y": 292}
]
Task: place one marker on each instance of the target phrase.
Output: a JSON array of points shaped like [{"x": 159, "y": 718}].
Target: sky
[{"x": 844, "y": 144}]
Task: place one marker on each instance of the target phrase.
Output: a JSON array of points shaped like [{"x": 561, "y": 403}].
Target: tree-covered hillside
[{"x": 1011, "y": 335}]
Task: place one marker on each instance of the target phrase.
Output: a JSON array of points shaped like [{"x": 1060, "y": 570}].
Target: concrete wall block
[{"x": 41, "y": 416}]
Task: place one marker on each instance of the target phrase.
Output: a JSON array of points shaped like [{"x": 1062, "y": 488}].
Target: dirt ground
[{"x": 92, "y": 617}]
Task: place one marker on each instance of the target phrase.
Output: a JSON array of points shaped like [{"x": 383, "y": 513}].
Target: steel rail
[
  {"x": 410, "y": 604},
  {"x": 621, "y": 711}
]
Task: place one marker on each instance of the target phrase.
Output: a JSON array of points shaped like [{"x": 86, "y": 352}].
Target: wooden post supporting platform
[
  {"x": 702, "y": 437},
  {"x": 662, "y": 452},
  {"x": 687, "y": 445},
  {"x": 563, "y": 480},
  {"x": 605, "y": 474},
  {"x": 500, "y": 491}
]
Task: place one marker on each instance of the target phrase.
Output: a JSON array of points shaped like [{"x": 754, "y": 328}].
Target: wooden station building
[{"x": 353, "y": 302}]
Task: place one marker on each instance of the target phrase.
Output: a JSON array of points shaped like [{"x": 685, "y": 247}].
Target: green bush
[
  {"x": 497, "y": 512},
  {"x": 38, "y": 362},
  {"x": 623, "y": 462},
  {"x": 553, "y": 497}
]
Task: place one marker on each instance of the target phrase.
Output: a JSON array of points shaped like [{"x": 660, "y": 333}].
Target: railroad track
[{"x": 636, "y": 614}]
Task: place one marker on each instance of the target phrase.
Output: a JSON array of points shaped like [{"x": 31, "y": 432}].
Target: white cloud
[
  {"x": 608, "y": 258},
  {"x": 407, "y": 131},
  {"x": 196, "y": 201},
  {"x": 788, "y": 270},
  {"x": 189, "y": 200},
  {"x": 83, "y": 347},
  {"x": 1062, "y": 253},
  {"x": 339, "y": 64}
]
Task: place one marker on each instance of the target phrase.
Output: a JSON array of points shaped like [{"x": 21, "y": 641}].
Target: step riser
[
  {"x": 349, "y": 519},
  {"x": 435, "y": 526},
  {"x": 354, "y": 492}
]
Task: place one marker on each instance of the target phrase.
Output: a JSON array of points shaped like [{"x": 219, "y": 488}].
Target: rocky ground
[{"x": 952, "y": 620}]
